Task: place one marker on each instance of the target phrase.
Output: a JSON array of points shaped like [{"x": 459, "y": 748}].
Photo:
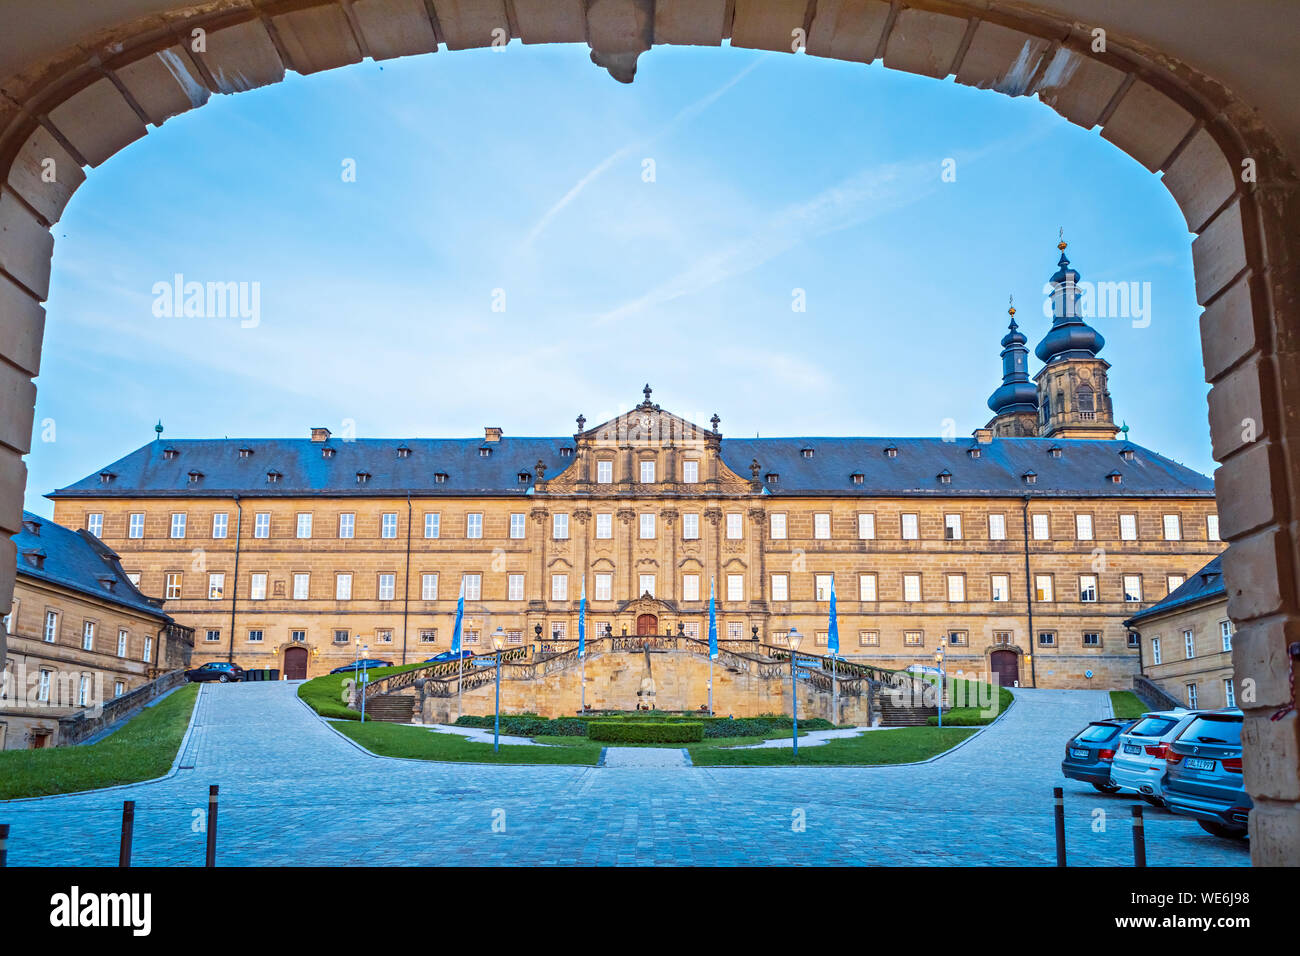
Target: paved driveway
[{"x": 294, "y": 792}]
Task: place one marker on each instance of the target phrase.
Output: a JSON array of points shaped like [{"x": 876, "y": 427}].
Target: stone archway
[{"x": 79, "y": 96}]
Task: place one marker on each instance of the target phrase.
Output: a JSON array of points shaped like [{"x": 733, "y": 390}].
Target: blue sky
[{"x": 524, "y": 171}]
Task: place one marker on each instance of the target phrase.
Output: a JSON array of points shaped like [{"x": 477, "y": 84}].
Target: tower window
[{"x": 1085, "y": 400}]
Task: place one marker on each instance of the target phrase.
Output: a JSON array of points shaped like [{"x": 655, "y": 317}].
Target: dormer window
[
  {"x": 973, "y": 452},
  {"x": 1030, "y": 477},
  {"x": 1115, "y": 478},
  {"x": 327, "y": 452},
  {"x": 32, "y": 527},
  {"x": 1055, "y": 451},
  {"x": 857, "y": 478},
  {"x": 485, "y": 452},
  {"x": 35, "y": 557},
  {"x": 403, "y": 451},
  {"x": 440, "y": 478},
  {"x": 245, "y": 453},
  {"x": 273, "y": 476},
  {"x": 363, "y": 477},
  {"x": 806, "y": 452},
  {"x": 566, "y": 452},
  {"x": 1126, "y": 454},
  {"x": 170, "y": 453},
  {"x": 772, "y": 478},
  {"x": 195, "y": 477},
  {"x": 525, "y": 477},
  {"x": 107, "y": 477},
  {"x": 107, "y": 582},
  {"x": 891, "y": 452},
  {"x": 945, "y": 477}
]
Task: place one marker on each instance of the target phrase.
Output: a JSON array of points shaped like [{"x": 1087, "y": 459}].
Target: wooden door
[
  {"x": 647, "y": 624},
  {"x": 1006, "y": 664},
  {"x": 295, "y": 663}
]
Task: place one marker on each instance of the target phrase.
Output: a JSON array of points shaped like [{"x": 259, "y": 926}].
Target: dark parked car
[
  {"x": 1089, "y": 753},
  {"x": 366, "y": 663},
  {"x": 1204, "y": 778},
  {"x": 223, "y": 671},
  {"x": 447, "y": 656}
]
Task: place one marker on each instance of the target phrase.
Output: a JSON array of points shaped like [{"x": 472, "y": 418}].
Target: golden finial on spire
[
  {"x": 1011, "y": 306},
  {"x": 1062, "y": 244}
]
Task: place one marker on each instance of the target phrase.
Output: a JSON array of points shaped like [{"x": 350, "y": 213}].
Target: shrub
[{"x": 630, "y": 732}]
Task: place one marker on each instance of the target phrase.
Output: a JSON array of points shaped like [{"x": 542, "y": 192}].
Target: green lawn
[
  {"x": 1127, "y": 704},
  {"x": 144, "y": 748},
  {"x": 396, "y": 740},
  {"x": 972, "y": 716},
  {"x": 898, "y": 745},
  {"x": 324, "y": 694}
]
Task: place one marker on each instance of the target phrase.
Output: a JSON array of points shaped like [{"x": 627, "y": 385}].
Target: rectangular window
[
  {"x": 1155, "y": 650},
  {"x": 1043, "y": 587},
  {"x": 122, "y": 639},
  {"x": 647, "y": 526},
  {"x": 914, "y": 638},
  {"x": 735, "y": 587},
  {"x": 51, "y": 626},
  {"x": 1083, "y": 527},
  {"x": 604, "y": 472},
  {"x": 956, "y": 587},
  {"x": 559, "y": 526},
  {"x": 1134, "y": 639},
  {"x": 868, "y": 638},
  {"x": 147, "y": 656},
  {"x": 1172, "y": 528},
  {"x": 958, "y": 638},
  {"x": 1229, "y": 693},
  {"x": 472, "y": 586},
  {"x": 604, "y": 525},
  {"x": 1212, "y": 533},
  {"x": 301, "y": 586},
  {"x": 433, "y": 524},
  {"x": 1047, "y": 638},
  {"x": 119, "y": 688},
  {"x": 605, "y": 586},
  {"x": 952, "y": 527},
  {"x": 690, "y": 527},
  {"x": 1225, "y": 634},
  {"x": 387, "y": 586},
  {"x": 83, "y": 687},
  {"x": 780, "y": 587},
  {"x": 216, "y": 585},
  {"x": 1088, "y": 588},
  {"x": 1042, "y": 530},
  {"x": 429, "y": 587},
  {"x": 383, "y": 636},
  {"x": 866, "y": 526},
  {"x": 1128, "y": 527},
  {"x": 343, "y": 586},
  {"x": 474, "y": 525},
  {"x": 340, "y": 636},
  {"x": 517, "y": 525},
  {"x": 822, "y": 586},
  {"x": 1001, "y": 587},
  {"x": 1191, "y": 696},
  {"x": 178, "y": 525},
  {"x": 997, "y": 527},
  {"x": 820, "y": 638},
  {"x": 388, "y": 524},
  {"x": 778, "y": 527},
  {"x": 559, "y": 587},
  {"x": 867, "y": 587},
  {"x": 95, "y": 523},
  {"x": 690, "y": 472},
  {"x": 1092, "y": 639},
  {"x": 428, "y": 635},
  {"x": 1189, "y": 644},
  {"x": 822, "y": 525},
  {"x": 1133, "y": 588},
  {"x": 262, "y": 524},
  {"x": 304, "y": 525},
  {"x": 347, "y": 525},
  {"x": 645, "y": 584},
  {"x": 135, "y": 525},
  {"x": 690, "y": 587},
  {"x": 515, "y": 587},
  {"x": 1173, "y": 582},
  {"x": 910, "y": 529},
  {"x": 43, "y": 692},
  {"x": 88, "y": 636},
  {"x": 220, "y": 524},
  {"x": 911, "y": 587},
  {"x": 212, "y": 636},
  {"x": 255, "y": 637},
  {"x": 647, "y": 472},
  {"x": 735, "y": 526},
  {"x": 173, "y": 586},
  {"x": 257, "y": 586}
]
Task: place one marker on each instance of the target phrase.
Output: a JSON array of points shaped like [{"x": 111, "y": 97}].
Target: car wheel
[
  {"x": 1153, "y": 800},
  {"x": 1222, "y": 830},
  {"x": 223, "y": 678},
  {"x": 1107, "y": 787}
]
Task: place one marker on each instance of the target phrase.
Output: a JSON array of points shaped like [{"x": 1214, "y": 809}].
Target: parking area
[{"x": 293, "y": 792}]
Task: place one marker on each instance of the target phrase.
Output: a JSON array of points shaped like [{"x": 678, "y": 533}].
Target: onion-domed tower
[
  {"x": 1073, "y": 395},
  {"x": 1015, "y": 402}
]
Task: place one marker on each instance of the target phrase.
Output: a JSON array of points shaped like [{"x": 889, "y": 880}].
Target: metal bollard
[
  {"x": 212, "y": 826},
  {"x": 4, "y": 844},
  {"x": 1059, "y": 794},
  {"x": 1139, "y": 837},
  {"x": 128, "y": 830}
]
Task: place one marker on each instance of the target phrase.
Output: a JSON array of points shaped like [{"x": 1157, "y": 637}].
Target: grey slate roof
[
  {"x": 77, "y": 560},
  {"x": 1206, "y": 584},
  {"x": 1080, "y": 471}
]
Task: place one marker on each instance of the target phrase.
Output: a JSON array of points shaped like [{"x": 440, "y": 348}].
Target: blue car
[
  {"x": 1204, "y": 778},
  {"x": 448, "y": 656},
  {"x": 1089, "y": 753},
  {"x": 368, "y": 663}
]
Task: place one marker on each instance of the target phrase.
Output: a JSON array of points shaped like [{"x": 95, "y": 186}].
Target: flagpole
[
  {"x": 455, "y": 645},
  {"x": 582, "y": 642},
  {"x": 835, "y": 653},
  {"x": 713, "y": 642}
]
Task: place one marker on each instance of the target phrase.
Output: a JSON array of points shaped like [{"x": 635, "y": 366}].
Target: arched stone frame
[{"x": 83, "y": 104}]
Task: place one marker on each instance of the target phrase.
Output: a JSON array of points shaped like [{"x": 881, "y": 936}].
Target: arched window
[{"x": 1084, "y": 398}]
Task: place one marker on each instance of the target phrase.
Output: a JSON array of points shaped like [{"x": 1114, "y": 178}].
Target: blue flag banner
[
  {"x": 833, "y": 638},
  {"x": 582, "y": 620},
  {"x": 460, "y": 615},
  {"x": 713, "y": 623}
]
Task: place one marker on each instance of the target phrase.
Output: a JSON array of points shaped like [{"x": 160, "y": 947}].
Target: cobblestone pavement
[
  {"x": 294, "y": 792},
  {"x": 641, "y": 757}
]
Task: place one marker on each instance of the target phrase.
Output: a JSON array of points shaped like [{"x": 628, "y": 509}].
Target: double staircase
[{"x": 393, "y": 708}]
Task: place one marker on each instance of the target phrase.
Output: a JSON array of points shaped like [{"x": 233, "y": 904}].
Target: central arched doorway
[
  {"x": 647, "y": 624},
  {"x": 295, "y": 663},
  {"x": 1006, "y": 664}
]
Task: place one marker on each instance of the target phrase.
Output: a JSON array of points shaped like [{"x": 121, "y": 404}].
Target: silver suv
[{"x": 1139, "y": 762}]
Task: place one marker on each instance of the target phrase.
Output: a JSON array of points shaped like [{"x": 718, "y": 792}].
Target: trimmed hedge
[
  {"x": 530, "y": 725},
  {"x": 630, "y": 732}
]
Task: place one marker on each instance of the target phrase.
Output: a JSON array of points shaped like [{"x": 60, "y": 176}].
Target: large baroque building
[{"x": 1022, "y": 550}]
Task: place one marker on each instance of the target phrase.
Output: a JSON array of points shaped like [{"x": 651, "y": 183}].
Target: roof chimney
[
  {"x": 320, "y": 435},
  {"x": 491, "y": 434}
]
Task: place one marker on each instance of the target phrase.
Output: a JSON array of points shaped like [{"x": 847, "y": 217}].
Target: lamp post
[
  {"x": 362, "y": 648},
  {"x": 795, "y": 637},
  {"x": 938, "y": 659},
  {"x": 498, "y": 641}
]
